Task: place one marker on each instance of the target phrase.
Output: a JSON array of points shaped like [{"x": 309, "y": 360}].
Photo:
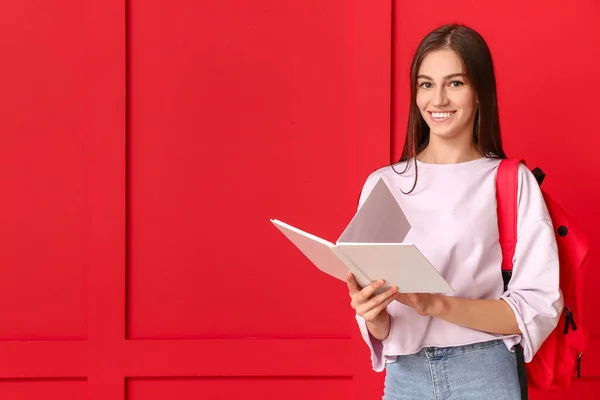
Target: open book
[{"x": 372, "y": 248}]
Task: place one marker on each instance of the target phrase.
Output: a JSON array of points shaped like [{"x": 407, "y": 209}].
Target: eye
[
  {"x": 456, "y": 83},
  {"x": 425, "y": 85}
]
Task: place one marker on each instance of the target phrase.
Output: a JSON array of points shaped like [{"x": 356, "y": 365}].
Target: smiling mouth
[{"x": 441, "y": 116}]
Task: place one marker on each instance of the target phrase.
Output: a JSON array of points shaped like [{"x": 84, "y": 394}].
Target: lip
[{"x": 444, "y": 119}]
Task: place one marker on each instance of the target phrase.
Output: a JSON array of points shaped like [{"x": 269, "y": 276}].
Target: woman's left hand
[{"x": 426, "y": 304}]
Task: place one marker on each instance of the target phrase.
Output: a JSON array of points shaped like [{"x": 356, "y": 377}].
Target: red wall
[{"x": 147, "y": 144}]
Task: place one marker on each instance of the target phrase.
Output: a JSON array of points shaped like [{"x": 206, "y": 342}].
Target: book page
[
  {"x": 379, "y": 220},
  {"x": 318, "y": 251},
  {"x": 398, "y": 264}
]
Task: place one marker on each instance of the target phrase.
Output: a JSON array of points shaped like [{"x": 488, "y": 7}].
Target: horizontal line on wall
[{"x": 172, "y": 358}]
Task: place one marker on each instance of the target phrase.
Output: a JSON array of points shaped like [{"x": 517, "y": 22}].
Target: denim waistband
[{"x": 433, "y": 352}]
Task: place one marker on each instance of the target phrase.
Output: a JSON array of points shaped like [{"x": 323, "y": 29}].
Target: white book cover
[{"x": 372, "y": 247}]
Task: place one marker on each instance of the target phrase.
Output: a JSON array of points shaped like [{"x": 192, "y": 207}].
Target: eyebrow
[{"x": 446, "y": 77}]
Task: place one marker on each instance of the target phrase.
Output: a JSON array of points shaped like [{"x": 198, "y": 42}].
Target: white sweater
[{"x": 454, "y": 224}]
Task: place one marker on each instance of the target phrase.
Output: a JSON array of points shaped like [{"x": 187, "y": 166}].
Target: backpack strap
[{"x": 507, "y": 186}]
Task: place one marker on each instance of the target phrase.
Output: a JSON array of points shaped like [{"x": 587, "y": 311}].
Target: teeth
[{"x": 442, "y": 115}]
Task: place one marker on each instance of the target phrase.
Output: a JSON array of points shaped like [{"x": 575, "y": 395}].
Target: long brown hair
[{"x": 479, "y": 68}]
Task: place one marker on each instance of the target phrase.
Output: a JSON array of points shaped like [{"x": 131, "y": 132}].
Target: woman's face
[{"x": 445, "y": 98}]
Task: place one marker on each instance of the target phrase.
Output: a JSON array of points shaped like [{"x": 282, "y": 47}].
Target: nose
[{"x": 440, "y": 98}]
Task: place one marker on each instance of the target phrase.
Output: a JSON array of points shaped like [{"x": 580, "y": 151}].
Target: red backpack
[{"x": 559, "y": 357}]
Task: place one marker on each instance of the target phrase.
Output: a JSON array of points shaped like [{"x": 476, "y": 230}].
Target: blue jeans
[{"x": 479, "y": 371}]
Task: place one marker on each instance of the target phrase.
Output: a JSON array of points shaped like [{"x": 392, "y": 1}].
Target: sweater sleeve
[
  {"x": 378, "y": 348},
  {"x": 533, "y": 292}
]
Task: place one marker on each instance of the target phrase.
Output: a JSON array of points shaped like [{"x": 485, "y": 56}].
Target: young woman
[{"x": 465, "y": 345}]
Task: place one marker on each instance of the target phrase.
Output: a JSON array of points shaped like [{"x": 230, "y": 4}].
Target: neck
[{"x": 449, "y": 151}]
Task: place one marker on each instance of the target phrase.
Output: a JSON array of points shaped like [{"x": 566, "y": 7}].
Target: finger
[
  {"x": 353, "y": 287},
  {"x": 377, "y": 300},
  {"x": 401, "y": 296},
  {"x": 381, "y": 297},
  {"x": 369, "y": 290},
  {"x": 375, "y": 311},
  {"x": 358, "y": 299}
]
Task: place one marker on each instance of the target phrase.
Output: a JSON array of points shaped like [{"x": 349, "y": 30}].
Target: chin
[{"x": 446, "y": 134}]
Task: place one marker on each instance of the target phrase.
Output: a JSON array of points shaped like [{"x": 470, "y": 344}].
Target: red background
[{"x": 145, "y": 145}]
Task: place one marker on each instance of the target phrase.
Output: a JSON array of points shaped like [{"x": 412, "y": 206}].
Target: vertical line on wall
[
  {"x": 392, "y": 81},
  {"x": 127, "y": 167}
]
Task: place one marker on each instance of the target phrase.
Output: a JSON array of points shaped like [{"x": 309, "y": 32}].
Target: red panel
[
  {"x": 42, "y": 210},
  {"x": 248, "y": 118},
  {"x": 264, "y": 357},
  {"x": 246, "y": 388},
  {"x": 60, "y": 389},
  {"x": 43, "y": 359}
]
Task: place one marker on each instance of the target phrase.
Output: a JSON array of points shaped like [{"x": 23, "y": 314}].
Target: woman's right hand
[{"x": 372, "y": 307}]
